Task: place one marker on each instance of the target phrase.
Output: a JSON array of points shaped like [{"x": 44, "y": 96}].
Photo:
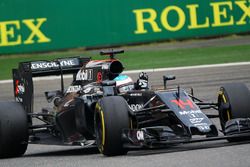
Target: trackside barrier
[{"x": 43, "y": 25}]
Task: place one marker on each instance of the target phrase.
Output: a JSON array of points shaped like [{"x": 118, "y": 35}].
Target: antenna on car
[
  {"x": 61, "y": 74},
  {"x": 111, "y": 52}
]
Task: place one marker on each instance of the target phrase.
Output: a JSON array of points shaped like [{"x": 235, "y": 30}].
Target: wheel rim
[
  {"x": 224, "y": 113},
  {"x": 100, "y": 128}
]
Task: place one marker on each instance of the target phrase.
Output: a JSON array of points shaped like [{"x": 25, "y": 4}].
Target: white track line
[
  {"x": 146, "y": 70},
  {"x": 188, "y": 67}
]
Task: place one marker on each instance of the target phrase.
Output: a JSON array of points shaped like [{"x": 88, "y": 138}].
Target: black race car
[{"x": 96, "y": 110}]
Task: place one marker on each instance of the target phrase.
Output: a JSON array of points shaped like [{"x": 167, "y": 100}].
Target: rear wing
[
  {"x": 55, "y": 67},
  {"x": 22, "y": 76}
]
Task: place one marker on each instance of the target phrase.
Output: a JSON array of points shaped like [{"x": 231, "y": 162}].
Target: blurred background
[{"x": 45, "y": 29}]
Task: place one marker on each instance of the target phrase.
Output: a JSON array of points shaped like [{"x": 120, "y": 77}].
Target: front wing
[{"x": 160, "y": 136}]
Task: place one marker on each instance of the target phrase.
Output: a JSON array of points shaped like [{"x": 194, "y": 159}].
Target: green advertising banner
[{"x": 44, "y": 25}]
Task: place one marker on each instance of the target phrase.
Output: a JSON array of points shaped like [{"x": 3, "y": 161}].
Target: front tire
[
  {"x": 111, "y": 117},
  {"x": 13, "y": 130},
  {"x": 233, "y": 103}
]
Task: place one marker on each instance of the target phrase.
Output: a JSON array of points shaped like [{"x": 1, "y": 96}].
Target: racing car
[{"x": 104, "y": 108}]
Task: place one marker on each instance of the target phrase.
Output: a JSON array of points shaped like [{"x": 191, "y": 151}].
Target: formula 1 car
[{"x": 95, "y": 110}]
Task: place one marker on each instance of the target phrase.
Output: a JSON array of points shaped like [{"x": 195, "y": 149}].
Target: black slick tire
[
  {"x": 233, "y": 102},
  {"x": 111, "y": 116},
  {"x": 13, "y": 130}
]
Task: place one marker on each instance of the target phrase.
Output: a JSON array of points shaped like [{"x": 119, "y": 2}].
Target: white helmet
[{"x": 124, "y": 83}]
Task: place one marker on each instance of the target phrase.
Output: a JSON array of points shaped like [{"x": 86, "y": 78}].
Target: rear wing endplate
[{"x": 22, "y": 76}]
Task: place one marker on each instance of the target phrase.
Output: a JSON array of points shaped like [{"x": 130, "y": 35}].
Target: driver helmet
[{"x": 124, "y": 83}]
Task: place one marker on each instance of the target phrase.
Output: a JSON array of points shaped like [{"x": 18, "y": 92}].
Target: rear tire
[
  {"x": 111, "y": 117},
  {"x": 13, "y": 130},
  {"x": 233, "y": 102}
]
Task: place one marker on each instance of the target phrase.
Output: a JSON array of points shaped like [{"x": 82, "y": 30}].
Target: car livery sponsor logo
[
  {"x": 140, "y": 135},
  {"x": 84, "y": 75},
  {"x": 105, "y": 66},
  {"x": 135, "y": 107},
  {"x": 19, "y": 88},
  {"x": 53, "y": 64},
  {"x": 135, "y": 94},
  {"x": 190, "y": 112},
  {"x": 201, "y": 124},
  {"x": 196, "y": 120},
  {"x": 99, "y": 77},
  {"x": 75, "y": 88},
  {"x": 88, "y": 90},
  {"x": 19, "y": 99},
  {"x": 184, "y": 104},
  {"x": 204, "y": 128}
]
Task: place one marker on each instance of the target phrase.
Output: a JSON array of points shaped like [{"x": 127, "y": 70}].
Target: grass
[
  {"x": 145, "y": 59},
  {"x": 187, "y": 57}
]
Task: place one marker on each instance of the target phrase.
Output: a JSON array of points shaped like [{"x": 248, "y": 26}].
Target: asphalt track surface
[{"x": 206, "y": 83}]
